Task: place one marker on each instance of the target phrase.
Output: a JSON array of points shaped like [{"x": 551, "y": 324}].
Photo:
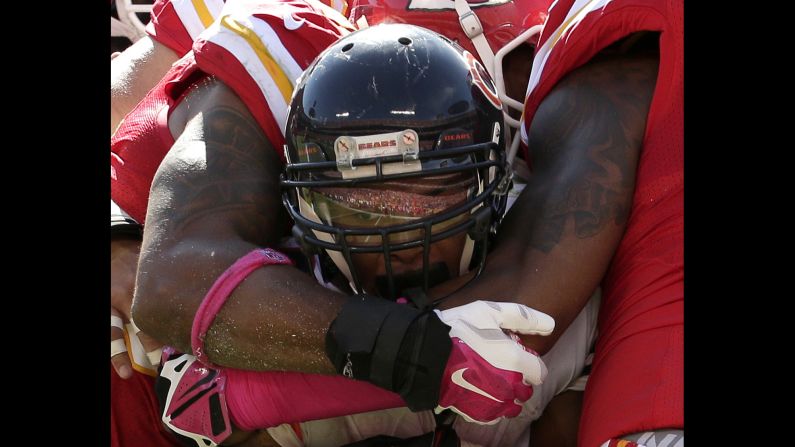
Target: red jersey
[
  {"x": 259, "y": 53},
  {"x": 177, "y": 23},
  {"x": 637, "y": 379},
  {"x": 142, "y": 140},
  {"x": 134, "y": 414},
  {"x": 258, "y": 49}
]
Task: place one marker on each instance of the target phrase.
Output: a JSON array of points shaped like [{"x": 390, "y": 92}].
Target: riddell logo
[{"x": 385, "y": 143}]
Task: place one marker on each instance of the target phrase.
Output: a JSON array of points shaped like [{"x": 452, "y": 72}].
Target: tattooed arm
[
  {"x": 215, "y": 197},
  {"x": 557, "y": 241}
]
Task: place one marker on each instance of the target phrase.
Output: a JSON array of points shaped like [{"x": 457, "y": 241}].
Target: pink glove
[
  {"x": 191, "y": 398},
  {"x": 489, "y": 373}
]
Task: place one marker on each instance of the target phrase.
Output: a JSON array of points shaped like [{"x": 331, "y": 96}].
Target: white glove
[{"x": 489, "y": 373}]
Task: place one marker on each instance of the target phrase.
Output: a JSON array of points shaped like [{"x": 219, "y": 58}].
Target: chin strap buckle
[{"x": 471, "y": 24}]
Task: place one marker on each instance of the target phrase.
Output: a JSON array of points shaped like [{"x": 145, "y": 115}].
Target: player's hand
[
  {"x": 118, "y": 347},
  {"x": 489, "y": 372},
  {"x": 123, "y": 263}
]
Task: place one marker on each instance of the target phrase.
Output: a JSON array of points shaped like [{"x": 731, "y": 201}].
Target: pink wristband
[{"x": 220, "y": 291}]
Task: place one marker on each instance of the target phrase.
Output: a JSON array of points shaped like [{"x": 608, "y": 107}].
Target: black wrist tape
[{"x": 394, "y": 346}]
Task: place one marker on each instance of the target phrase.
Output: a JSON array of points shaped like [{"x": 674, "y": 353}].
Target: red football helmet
[{"x": 489, "y": 29}]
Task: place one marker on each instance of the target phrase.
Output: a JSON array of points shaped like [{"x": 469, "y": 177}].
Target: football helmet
[
  {"x": 489, "y": 29},
  {"x": 394, "y": 143}
]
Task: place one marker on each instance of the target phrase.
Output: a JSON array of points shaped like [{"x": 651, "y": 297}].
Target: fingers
[
  {"x": 522, "y": 391},
  {"x": 507, "y": 386},
  {"x": 115, "y": 321},
  {"x": 480, "y": 391},
  {"x": 118, "y": 349},
  {"x": 475, "y": 421},
  {"x": 497, "y": 413},
  {"x": 533, "y": 369},
  {"x": 510, "y": 316},
  {"x": 522, "y": 319},
  {"x": 152, "y": 347},
  {"x": 500, "y": 347},
  {"x": 513, "y": 410},
  {"x": 512, "y": 356},
  {"x": 123, "y": 266}
]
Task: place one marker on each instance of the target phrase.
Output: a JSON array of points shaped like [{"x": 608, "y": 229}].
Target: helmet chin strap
[{"x": 470, "y": 23}]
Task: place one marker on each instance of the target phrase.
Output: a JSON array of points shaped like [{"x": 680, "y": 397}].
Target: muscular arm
[
  {"x": 557, "y": 241},
  {"x": 215, "y": 197},
  {"x": 553, "y": 249},
  {"x": 133, "y": 73}
]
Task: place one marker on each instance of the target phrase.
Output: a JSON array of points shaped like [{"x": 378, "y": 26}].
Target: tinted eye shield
[
  {"x": 296, "y": 173},
  {"x": 340, "y": 215}
]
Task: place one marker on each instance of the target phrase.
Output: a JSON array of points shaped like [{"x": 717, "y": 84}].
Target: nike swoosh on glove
[{"x": 489, "y": 373}]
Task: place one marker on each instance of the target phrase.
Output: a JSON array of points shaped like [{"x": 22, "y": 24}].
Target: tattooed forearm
[
  {"x": 226, "y": 169},
  {"x": 585, "y": 142}
]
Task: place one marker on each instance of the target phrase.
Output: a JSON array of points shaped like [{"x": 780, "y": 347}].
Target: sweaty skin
[
  {"x": 556, "y": 243},
  {"x": 133, "y": 72},
  {"x": 216, "y": 197}
]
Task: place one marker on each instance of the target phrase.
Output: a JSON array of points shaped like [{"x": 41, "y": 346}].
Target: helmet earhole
[
  {"x": 405, "y": 41},
  {"x": 347, "y": 47}
]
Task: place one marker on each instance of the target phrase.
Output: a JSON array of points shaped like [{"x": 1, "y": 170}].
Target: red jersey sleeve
[
  {"x": 177, "y": 23},
  {"x": 259, "y": 49}
]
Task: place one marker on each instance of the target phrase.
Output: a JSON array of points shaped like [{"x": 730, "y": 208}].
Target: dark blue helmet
[{"x": 394, "y": 143}]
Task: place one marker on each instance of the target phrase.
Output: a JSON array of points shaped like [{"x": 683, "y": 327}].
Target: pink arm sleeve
[{"x": 267, "y": 399}]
